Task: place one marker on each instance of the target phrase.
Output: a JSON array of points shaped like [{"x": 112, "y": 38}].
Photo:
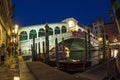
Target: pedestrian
[
  {"x": 9, "y": 51},
  {"x": 2, "y": 53}
]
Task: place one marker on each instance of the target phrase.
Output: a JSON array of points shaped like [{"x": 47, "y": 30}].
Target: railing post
[
  {"x": 32, "y": 52},
  {"x": 39, "y": 49},
  {"x": 36, "y": 55}
]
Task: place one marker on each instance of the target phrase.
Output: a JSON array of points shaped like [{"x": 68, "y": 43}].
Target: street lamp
[
  {"x": 16, "y": 78},
  {"x": 14, "y": 38},
  {"x": 100, "y": 39},
  {"x": 14, "y": 33},
  {"x": 16, "y": 29}
]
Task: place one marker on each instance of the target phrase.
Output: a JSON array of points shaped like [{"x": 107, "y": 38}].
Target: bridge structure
[{"x": 66, "y": 29}]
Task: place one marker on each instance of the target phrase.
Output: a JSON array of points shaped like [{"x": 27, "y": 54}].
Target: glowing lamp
[
  {"x": 16, "y": 78},
  {"x": 99, "y": 39}
]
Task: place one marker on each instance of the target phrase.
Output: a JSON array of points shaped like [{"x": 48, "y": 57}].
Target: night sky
[{"x": 32, "y": 12}]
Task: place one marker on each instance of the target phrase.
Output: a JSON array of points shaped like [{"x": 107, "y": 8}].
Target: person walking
[
  {"x": 9, "y": 51},
  {"x": 2, "y": 53}
]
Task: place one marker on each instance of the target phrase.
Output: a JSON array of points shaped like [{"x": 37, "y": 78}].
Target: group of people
[{"x": 3, "y": 52}]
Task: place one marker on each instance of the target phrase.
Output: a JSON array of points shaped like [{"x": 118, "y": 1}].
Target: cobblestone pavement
[{"x": 9, "y": 69}]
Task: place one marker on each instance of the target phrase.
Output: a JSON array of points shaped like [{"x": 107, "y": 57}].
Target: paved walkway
[
  {"x": 15, "y": 67},
  {"x": 40, "y": 71},
  {"x": 9, "y": 69},
  {"x": 25, "y": 74}
]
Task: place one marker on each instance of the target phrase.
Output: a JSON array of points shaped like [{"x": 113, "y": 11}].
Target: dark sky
[{"x": 31, "y": 12}]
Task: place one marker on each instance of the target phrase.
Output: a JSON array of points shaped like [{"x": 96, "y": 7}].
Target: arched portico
[{"x": 56, "y": 30}]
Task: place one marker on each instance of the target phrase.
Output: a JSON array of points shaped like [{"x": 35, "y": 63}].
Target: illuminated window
[
  {"x": 16, "y": 78},
  {"x": 71, "y": 23}
]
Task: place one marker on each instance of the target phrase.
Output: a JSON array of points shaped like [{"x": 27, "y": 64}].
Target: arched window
[
  {"x": 64, "y": 29},
  {"x": 23, "y": 35},
  {"x": 32, "y": 33},
  {"x": 91, "y": 36},
  {"x": 50, "y": 31},
  {"x": 41, "y": 32},
  {"x": 84, "y": 32},
  {"x": 79, "y": 30},
  {"x": 57, "y": 30}
]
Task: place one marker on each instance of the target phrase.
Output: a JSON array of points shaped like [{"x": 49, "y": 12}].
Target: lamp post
[
  {"x": 89, "y": 45},
  {"x": 108, "y": 59},
  {"x": 47, "y": 44},
  {"x": 14, "y": 39},
  {"x": 103, "y": 43}
]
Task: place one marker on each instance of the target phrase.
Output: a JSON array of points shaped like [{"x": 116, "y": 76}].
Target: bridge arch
[
  {"x": 32, "y": 33},
  {"x": 23, "y": 36},
  {"x": 50, "y": 31},
  {"x": 56, "y": 30},
  {"x": 64, "y": 29},
  {"x": 41, "y": 32}
]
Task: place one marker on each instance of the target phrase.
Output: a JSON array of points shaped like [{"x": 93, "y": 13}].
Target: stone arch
[
  {"x": 84, "y": 31},
  {"x": 23, "y": 36},
  {"x": 41, "y": 32},
  {"x": 57, "y": 30},
  {"x": 79, "y": 30},
  {"x": 32, "y": 33},
  {"x": 64, "y": 29},
  {"x": 50, "y": 31}
]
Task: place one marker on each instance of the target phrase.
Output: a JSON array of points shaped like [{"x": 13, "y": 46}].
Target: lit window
[{"x": 71, "y": 23}]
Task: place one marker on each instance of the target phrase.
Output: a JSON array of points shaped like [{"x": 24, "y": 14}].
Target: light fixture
[
  {"x": 100, "y": 39},
  {"x": 16, "y": 78}
]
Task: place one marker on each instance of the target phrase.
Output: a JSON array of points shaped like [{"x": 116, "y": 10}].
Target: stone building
[
  {"x": 110, "y": 28},
  {"x": 6, "y": 16},
  {"x": 116, "y": 9}
]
